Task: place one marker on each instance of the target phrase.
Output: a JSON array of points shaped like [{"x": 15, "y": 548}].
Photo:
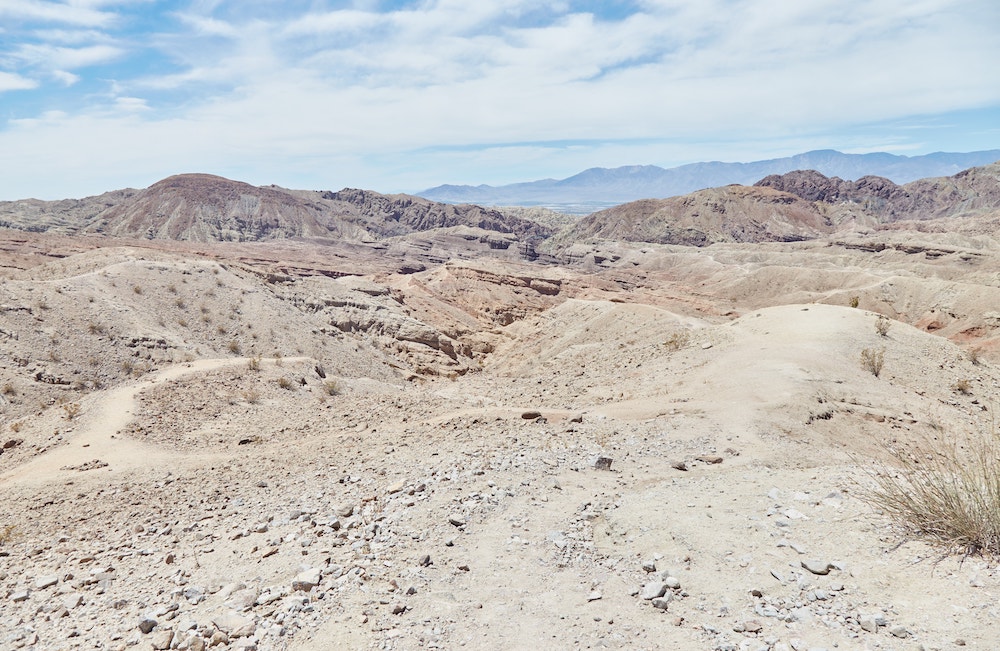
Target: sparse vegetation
[
  {"x": 180, "y": 303},
  {"x": 96, "y": 328},
  {"x": 872, "y": 360},
  {"x": 677, "y": 340},
  {"x": 8, "y": 389},
  {"x": 975, "y": 355},
  {"x": 16, "y": 426},
  {"x": 946, "y": 491},
  {"x": 332, "y": 387},
  {"x": 234, "y": 347},
  {"x": 254, "y": 363},
  {"x": 72, "y": 410},
  {"x": 285, "y": 383},
  {"x": 7, "y": 533},
  {"x": 963, "y": 386},
  {"x": 855, "y": 301},
  {"x": 137, "y": 289},
  {"x": 882, "y": 325},
  {"x": 252, "y": 396}
]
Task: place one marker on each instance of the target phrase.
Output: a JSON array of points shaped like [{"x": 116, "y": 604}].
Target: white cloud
[
  {"x": 74, "y": 13},
  {"x": 67, "y": 58},
  {"x": 356, "y": 91},
  {"x": 10, "y": 81}
]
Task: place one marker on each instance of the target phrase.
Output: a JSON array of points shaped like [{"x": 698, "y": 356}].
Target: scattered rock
[
  {"x": 817, "y": 567},
  {"x": 652, "y": 590},
  {"x": 603, "y": 463},
  {"x": 147, "y": 624}
]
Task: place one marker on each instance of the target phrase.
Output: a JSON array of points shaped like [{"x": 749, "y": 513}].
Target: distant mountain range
[{"x": 598, "y": 187}]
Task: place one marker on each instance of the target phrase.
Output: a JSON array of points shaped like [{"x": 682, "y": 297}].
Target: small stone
[
  {"x": 424, "y": 560},
  {"x": 398, "y": 608},
  {"x": 752, "y": 626},
  {"x": 672, "y": 582},
  {"x": 72, "y": 600},
  {"x": 457, "y": 520},
  {"x": 344, "y": 510},
  {"x": 603, "y": 463},
  {"x": 43, "y": 582},
  {"x": 397, "y": 487},
  {"x": 147, "y": 624},
  {"x": 868, "y": 624},
  {"x": 161, "y": 639},
  {"x": 20, "y": 595},
  {"x": 169, "y": 559},
  {"x": 899, "y": 631},
  {"x": 218, "y": 638},
  {"x": 307, "y": 580},
  {"x": 817, "y": 567},
  {"x": 652, "y": 590},
  {"x": 235, "y": 625},
  {"x": 710, "y": 459},
  {"x": 531, "y": 415},
  {"x": 594, "y": 595},
  {"x": 678, "y": 465},
  {"x": 661, "y": 603},
  {"x": 649, "y": 566}
]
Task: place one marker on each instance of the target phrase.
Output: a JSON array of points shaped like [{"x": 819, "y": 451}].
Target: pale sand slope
[{"x": 778, "y": 394}]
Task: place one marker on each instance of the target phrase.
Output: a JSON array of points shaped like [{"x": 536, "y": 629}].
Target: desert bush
[
  {"x": 7, "y": 533},
  {"x": 16, "y": 426},
  {"x": 234, "y": 347},
  {"x": 285, "y": 383},
  {"x": 72, "y": 410},
  {"x": 96, "y": 328},
  {"x": 963, "y": 386},
  {"x": 882, "y": 325},
  {"x": 855, "y": 301},
  {"x": 137, "y": 289},
  {"x": 181, "y": 303},
  {"x": 677, "y": 340},
  {"x": 8, "y": 389},
  {"x": 332, "y": 388},
  {"x": 252, "y": 396},
  {"x": 872, "y": 360},
  {"x": 975, "y": 355},
  {"x": 254, "y": 363},
  {"x": 946, "y": 491}
]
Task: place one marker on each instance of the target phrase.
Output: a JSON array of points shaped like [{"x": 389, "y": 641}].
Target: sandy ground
[{"x": 316, "y": 486}]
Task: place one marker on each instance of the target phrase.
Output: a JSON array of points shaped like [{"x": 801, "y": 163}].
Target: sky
[{"x": 399, "y": 96}]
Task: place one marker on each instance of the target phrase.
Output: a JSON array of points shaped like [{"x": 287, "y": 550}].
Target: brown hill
[
  {"x": 971, "y": 191},
  {"x": 207, "y": 208},
  {"x": 734, "y": 213}
]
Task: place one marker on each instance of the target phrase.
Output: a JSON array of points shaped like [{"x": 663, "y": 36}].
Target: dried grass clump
[
  {"x": 872, "y": 360},
  {"x": 882, "y": 325},
  {"x": 947, "y": 492},
  {"x": 677, "y": 340}
]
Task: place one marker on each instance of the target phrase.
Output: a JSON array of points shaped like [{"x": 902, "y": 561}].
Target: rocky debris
[
  {"x": 603, "y": 463},
  {"x": 818, "y": 567},
  {"x": 307, "y": 580}
]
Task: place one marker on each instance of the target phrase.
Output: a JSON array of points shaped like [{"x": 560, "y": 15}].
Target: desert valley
[{"x": 241, "y": 417}]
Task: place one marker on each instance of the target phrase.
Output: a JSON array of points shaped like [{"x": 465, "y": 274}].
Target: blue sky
[{"x": 396, "y": 96}]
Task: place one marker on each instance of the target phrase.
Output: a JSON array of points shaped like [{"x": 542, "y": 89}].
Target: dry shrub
[
  {"x": 254, "y": 363},
  {"x": 855, "y": 301},
  {"x": 975, "y": 355},
  {"x": 332, "y": 387},
  {"x": 8, "y": 389},
  {"x": 963, "y": 386},
  {"x": 285, "y": 383},
  {"x": 872, "y": 360},
  {"x": 882, "y": 325},
  {"x": 947, "y": 492},
  {"x": 8, "y": 533},
  {"x": 234, "y": 347},
  {"x": 677, "y": 340},
  {"x": 252, "y": 396},
  {"x": 72, "y": 410}
]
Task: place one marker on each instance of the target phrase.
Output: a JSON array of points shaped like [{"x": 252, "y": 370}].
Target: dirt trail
[{"x": 97, "y": 441}]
